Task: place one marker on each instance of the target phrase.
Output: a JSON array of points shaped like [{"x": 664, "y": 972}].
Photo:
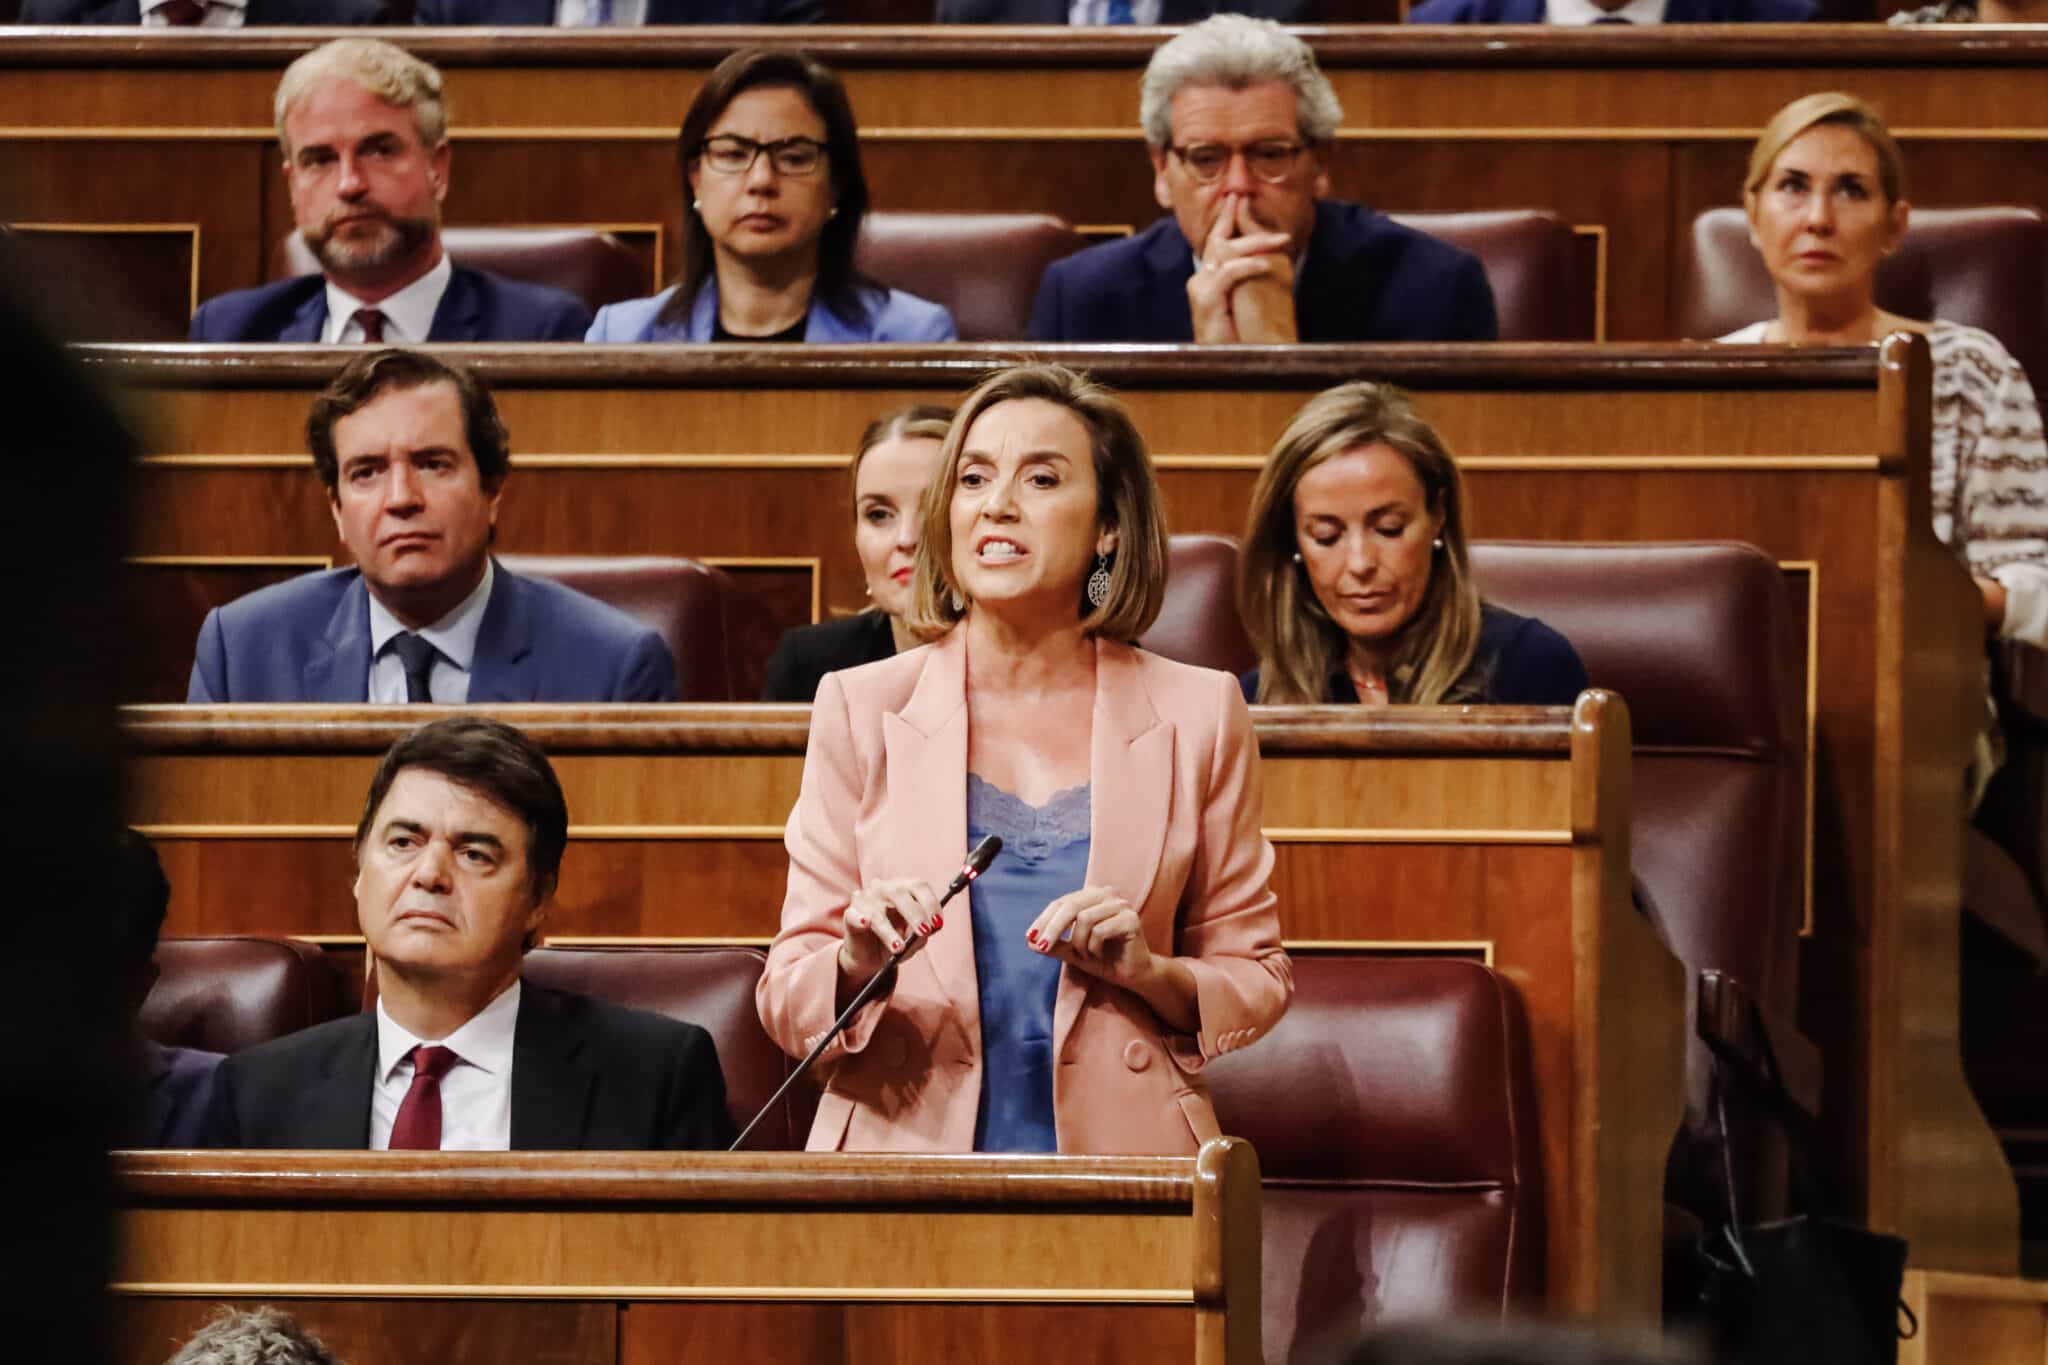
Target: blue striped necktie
[{"x": 1119, "y": 12}]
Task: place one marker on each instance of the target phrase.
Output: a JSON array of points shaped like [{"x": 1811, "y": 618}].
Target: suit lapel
[
  {"x": 551, "y": 1088},
  {"x": 311, "y": 316},
  {"x": 1169, "y": 265},
  {"x": 458, "y": 316},
  {"x": 502, "y": 669},
  {"x": 926, "y": 750},
  {"x": 1130, "y": 769},
  {"x": 335, "y": 1115},
  {"x": 339, "y": 670}
]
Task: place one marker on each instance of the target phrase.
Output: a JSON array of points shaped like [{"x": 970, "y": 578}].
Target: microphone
[{"x": 977, "y": 863}]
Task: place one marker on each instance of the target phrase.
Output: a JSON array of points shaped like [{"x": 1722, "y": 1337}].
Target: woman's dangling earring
[
  {"x": 1098, "y": 582},
  {"x": 959, "y": 602}
]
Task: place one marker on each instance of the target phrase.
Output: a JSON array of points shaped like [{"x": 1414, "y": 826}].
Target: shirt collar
[
  {"x": 151, "y": 6},
  {"x": 485, "y": 1042},
  {"x": 1586, "y": 12},
  {"x": 454, "y": 634},
  {"x": 408, "y": 314}
]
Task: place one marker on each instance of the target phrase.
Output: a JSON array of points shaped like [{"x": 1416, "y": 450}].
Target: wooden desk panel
[
  {"x": 1631, "y": 134},
  {"x": 1145, "y": 1248}
]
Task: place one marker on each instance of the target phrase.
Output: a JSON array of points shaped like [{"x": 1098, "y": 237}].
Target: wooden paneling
[
  {"x": 149, "y": 1331},
  {"x": 1425, "y": 826},
  {"x": 463, "y": 1247},
  {"x": 1632, "y": 134}
]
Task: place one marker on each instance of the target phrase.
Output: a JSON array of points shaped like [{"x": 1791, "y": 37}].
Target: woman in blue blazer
[{"x": 771, "y": 155}]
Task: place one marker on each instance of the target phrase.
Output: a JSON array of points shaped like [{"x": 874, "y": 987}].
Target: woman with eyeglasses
[{"x": 771, "y": 156}]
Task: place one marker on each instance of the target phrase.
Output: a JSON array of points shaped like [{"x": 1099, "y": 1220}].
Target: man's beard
[{"x": 399, "y": 239}]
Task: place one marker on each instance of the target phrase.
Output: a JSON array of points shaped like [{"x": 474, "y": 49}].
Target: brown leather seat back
[
  {"x": 1393, "y": 1112},
  {"x": 984, "y": 267},
  {"x": 720, "y": 639},
  {"x": 225, "y": 994},
  {"x": 1693, "y": 636},
  {"x": 1987, "y": 267},
  {"x": 1531, "y": 260},
  {"x": 711, "y": 987},
  {"x": 1198, "y": 624},
  {"x": 596, "y": 267}
]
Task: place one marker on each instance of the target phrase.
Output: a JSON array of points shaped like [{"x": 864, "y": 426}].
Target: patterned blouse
[{"x": 1990, "y": 469}]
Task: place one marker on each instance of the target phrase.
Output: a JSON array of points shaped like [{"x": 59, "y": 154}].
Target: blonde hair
[
  {"x": 915, "y": 422},
  {"x": 1299, "y": 646},
  {"x": 1828, "y": 107},
  {"x": 1127, "y": 498},
  {"x": 390, "y": 73}
]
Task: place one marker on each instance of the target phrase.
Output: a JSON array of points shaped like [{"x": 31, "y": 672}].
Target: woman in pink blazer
[{"x": 1126, "y": 934}]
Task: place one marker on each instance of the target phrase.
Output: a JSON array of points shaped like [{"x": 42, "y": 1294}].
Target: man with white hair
[
  {"x": 1240, "y": 122},
  {"x": 364, "y": 132}
]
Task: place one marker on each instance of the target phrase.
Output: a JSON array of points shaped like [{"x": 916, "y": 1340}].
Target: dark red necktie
[
  {"x": 183, "y": 13},
  {"x": 371, "y": 320},
  {"x": 418, "y": 1125}
]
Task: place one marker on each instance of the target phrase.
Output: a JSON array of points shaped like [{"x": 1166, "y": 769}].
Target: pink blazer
[{"x": 1175, "y": 827}]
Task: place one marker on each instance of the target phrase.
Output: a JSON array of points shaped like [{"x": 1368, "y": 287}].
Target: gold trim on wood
[
  {"x": 1811, "y": 568},
  {"x": 1554, "y": 837},
  {"x": 191, "y": 230},
  {"x": 1598, "y": 232},
  {"x": 172, "y": 1289},
  {"x": 1611, "y": 464},
  {"x": 1483, "y": 947},
  {"x": 813, "y": 563}
]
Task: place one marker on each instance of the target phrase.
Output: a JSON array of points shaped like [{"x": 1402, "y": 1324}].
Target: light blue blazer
[{"x": 892, "y": 316}]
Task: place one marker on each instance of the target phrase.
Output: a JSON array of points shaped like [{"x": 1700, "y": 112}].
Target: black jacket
[
  {"x": 260, "y": 14},
  {"x": 804, "y": 656},
  {"x": 587, "y": 1075}
]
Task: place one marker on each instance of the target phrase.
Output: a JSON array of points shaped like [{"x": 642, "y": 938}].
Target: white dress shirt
[
  {"x": 600, "y": 13},
  {"x": 1586, "y": 12},
  {"x": 219, "y": 14},
  {"x": 454, "y": 635},
  {"x": 408, "y": 314},
  {"x": 476, "y": 1093}
]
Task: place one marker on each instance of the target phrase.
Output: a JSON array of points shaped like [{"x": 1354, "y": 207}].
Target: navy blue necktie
[
  {"x": 418, "y": 658},
  {"x": 1119, "y": 13}
]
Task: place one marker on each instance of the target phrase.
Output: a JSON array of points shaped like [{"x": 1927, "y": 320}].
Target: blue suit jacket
[
  {"x": 1519, "y": 662},
  {"x": 541, "y": 13},
  {"x": 1170, "y": 11},
  {"x": 173, "y": 1089},
  {"x": 477, "y": 307},
  {"x": 1366, "y": 278},
  {"x": 259, "y": 14},
  {"x": 308, "y": 640},
  {"x": 1675, "y": 12},
  {"x": 892, "y": 316}
]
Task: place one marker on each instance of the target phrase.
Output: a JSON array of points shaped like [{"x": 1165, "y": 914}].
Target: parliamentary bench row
[
  {"x": 1393, "y": 1108},
  {"x": 1627, "y": 139}
]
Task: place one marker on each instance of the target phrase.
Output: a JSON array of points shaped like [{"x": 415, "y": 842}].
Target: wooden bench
[{"x": 167, "y": 139}]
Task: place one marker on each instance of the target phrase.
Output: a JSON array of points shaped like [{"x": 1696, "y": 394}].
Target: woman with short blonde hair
[{"x": 1356, "y": 578}]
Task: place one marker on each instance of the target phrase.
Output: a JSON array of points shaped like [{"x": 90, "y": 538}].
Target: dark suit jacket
[
  {"x": 260, "y": 13},
  {"x": 476, "y": 307},
  {"x": 1170, "y": 11},
  {"x": 586, "y": 1076},
  {"x": 1675, "y": 12},
  {"x": 803, "y": 656},
  {"x": 1519, "y": 662},
  {"x": 541, "y": 13},
  {"x": 1366, "y": 278},
  {"x": 308, "y": 640},
  {"x": 173, "y": 1088}
]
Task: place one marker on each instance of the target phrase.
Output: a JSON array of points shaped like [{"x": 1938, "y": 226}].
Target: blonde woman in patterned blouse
[{"x": 1825, "y": 198}]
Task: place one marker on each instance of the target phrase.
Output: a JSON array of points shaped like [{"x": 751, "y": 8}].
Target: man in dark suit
[
  {"x": 366, "y": 158},
  {"x": 414, "y": 460},
  {"x": 1615, "y": 12},
  {"x": 1109, "y": 12},
  {"x": 1240, "y": 122},
  {"x": 172, "y": 1085},
  {"x": 616, "y": 13},
  {"x": 457, "y": 854},
  {"x": 205, "y": 13}
]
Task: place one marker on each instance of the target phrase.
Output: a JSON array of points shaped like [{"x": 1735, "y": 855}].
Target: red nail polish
[
  {"x": 937, "y": 925},
  {"x": 1031, "y": 936}
]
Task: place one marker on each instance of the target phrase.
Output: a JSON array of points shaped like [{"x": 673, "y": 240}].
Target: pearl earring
[
  {"x": 697, "y": 205},
  {"x": 1437, "y": 544},
  {"x": 1297, "y": 556}
]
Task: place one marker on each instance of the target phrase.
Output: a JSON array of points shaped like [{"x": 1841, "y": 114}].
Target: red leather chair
[
  {"x": 1987, "y": 267},
  {"x": 1198, "y": 623},
  {"x": 984, "y": 267},
  {"x": 1394, "y": 1117},
  {"x": 596, "y": 267},
  {"x": 225, "y": 994},
  {"x": 1531, "y": 260},
  {"x": 719, "y": 637},
  {"x": 711, "y": 987}
]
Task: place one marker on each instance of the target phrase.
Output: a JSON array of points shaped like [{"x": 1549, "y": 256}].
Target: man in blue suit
[
  {"x": 414, "y": 461},
  {"x": 1617, "y": 12},
  {"x": 366, "y": 156},
  {"x": 1240, "y": 122},
  {"x": 615, "y": 13}
]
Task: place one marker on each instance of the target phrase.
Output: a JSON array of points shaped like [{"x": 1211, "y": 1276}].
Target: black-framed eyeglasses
[
  {"x": 731, "y": 154},
  {"x": 1208, "y": 162}
]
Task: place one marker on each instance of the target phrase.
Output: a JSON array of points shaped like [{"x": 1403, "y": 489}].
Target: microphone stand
[{"x": 977, "y": 862}]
